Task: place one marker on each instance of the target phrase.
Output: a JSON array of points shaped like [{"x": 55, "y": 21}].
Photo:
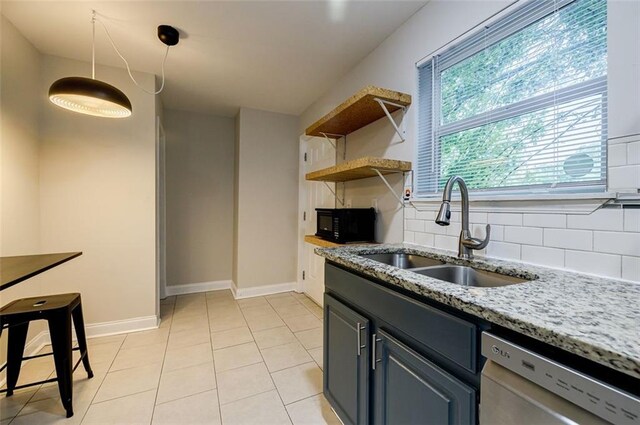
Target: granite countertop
[{"x": 596, "y": 318}]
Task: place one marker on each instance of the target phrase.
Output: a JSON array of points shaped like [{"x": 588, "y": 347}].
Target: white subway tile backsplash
[
  {"x": 523, "y": 235},
  {"x": 430, "y": 226},
  {"x": 617, "y": 155},
  {"x": 480, "y": 231},
  {"x": 631, "y": 268},
  {"x": 497, "y": 232},
  {"x": 510, "y": 251},
  {"x": 426, "y": 215},
  {"x": 453, "y": 229},
  {"x": 446, "y": 242},
  {"x": 409, "y": 213},
  {"x": 605, "y": 242},
  {"x": 551, "y": 257},
  {"x": 625, "y": 177},
  {"x": 632, "y": 220},
  {"x": 594, "y": 263},
  {"x": 633, "y": 153},
  {"x": 478, "y": 217},
  {"x": 508, "y": 219},
  {"x": 425, "y": 239},
  {"x": 545, "y": 220},
  {"x": 572, "y": 239},
  {"x": 628, "y": 137},
  {"x": 602, "y": 219},
  {"x": 625, "y": 243},
  {"x": 415, "y": 225},
  {"x": 480, "y": 252}
]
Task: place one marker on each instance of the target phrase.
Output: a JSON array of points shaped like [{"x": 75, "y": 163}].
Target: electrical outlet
[
  {"x": 347, "y": 203},
  {"x": 374, "y": 204}
]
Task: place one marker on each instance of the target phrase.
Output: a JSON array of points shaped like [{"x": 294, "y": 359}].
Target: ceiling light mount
[{"x": 168, "y": 35}]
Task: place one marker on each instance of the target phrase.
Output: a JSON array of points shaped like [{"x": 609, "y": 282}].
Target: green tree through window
[{"x": 523, "y": 109}]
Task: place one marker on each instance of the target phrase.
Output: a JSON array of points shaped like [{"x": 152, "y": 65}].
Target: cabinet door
[
  {"x": 409, "y": 389},
  {"x": 346, "y": 361}
]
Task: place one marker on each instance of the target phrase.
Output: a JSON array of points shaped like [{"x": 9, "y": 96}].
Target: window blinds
[{"x": 521, "y": 105}]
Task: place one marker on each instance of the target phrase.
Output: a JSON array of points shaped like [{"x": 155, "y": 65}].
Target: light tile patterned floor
[{"x": 214, "y": 360}]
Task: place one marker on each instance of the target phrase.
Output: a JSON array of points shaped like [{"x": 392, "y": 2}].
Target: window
[{"x": 520, "y": 105}]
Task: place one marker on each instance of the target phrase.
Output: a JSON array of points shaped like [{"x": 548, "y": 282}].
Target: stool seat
[
  {"x": 41, "y": 304},
  {"x": 58, "y": 310}
]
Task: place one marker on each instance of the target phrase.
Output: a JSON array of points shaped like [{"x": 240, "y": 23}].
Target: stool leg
[
  {"x": 15, "y": 352},
  {"x": 78, "y": 323},
  {"x": 60, "y": 330}
]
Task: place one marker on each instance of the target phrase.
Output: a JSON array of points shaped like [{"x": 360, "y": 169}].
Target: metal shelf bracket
[
  {"x": 332, "y": 143},
  {"x": 400, "y": 130},
  {"x": 393, "y": 192},
  {"x": 341, "y": 201}
]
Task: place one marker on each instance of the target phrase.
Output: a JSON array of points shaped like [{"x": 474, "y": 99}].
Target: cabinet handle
[
  {"x": 360, "y": 328},
  {"x": 374, "y": 357}
]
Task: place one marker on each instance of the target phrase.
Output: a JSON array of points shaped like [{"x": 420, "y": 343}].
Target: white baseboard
[
  {"x": 92, "y": 331},
  {"x": 95, "y": 330},
  {"x": 31, "y": 348},
  {"x": 256, "y": 291},
  {"x": 238, "y": 293},
  {"x": 193, "y": 288},
  {"x": 136, "y": 324},
  {"x": 36, "y": 344}
]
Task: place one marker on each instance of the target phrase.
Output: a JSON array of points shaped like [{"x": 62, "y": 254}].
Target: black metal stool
[{"x": 58, "y": 311}]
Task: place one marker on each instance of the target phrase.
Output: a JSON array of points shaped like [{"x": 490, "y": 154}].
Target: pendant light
[
  {"x": 94, "y": 97},
  {"x": 90, "y": 96}
]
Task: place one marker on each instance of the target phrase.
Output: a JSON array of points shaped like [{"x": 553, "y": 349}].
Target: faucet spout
[
  {"x": 466, "y": 243},
  {"x": 444, "y": 215}
]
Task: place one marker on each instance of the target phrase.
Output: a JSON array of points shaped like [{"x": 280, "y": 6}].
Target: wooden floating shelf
[
  {"x": 315, "y": 240},
  {"x": 356, "y": 112},
  {"x": 360, "y": 168}
]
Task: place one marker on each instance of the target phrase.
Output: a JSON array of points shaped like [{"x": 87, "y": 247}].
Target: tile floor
[{"x": 214, "y": 360}]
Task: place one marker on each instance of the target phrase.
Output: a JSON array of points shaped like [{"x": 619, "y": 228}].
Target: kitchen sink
[
  {"x": 460, "y": 275},
  {"x": 403, "y": 261},
  {"x": 467, "y": 276}
]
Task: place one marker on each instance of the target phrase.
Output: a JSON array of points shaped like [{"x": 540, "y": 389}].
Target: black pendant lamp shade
[{"x": 90, "y": 96}]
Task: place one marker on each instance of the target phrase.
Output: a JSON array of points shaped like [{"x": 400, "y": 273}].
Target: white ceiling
[{"x": 273, "y": 55}]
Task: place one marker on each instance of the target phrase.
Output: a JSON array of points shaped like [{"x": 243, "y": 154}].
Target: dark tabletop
[{"x": 16, "y": 269}]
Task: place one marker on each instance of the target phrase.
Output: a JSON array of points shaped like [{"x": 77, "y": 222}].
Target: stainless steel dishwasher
[{"x": 520, "y": 386}]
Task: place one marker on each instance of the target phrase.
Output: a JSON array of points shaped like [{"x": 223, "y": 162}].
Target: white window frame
[{"x": 572, "y": 200}]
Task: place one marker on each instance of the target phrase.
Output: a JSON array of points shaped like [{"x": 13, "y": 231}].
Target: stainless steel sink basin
[
  {"x": 403, "y": 261},
  {"x": 467, "y": 276}
]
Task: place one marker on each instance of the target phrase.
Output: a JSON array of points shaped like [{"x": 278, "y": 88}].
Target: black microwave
[{"x": 344, "y": 225}]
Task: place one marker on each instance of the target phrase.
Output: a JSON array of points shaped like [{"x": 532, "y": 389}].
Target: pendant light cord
[
  {"x": 93, "y": 45},
  {"x": 164, "y": 59}
]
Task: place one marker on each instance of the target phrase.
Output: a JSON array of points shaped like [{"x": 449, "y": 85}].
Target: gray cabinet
[
  {"x": 447, "y": 338},
  {"x": 390, "y": 359},
  {"x": 409, "y": 389},
  {"x": 346, "y": 363}
]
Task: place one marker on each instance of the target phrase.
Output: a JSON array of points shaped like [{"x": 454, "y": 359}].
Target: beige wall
[
  {"x": 20, "y": 95},
  {"x": 161, "y": 211},
  {"x": 19, "y": 160},
  {"x": 267, "y": 191},
  {"x": 199, "y": 176},
  {"x": 97, "y": 195},
  {"x": 236, "y": 197}
]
